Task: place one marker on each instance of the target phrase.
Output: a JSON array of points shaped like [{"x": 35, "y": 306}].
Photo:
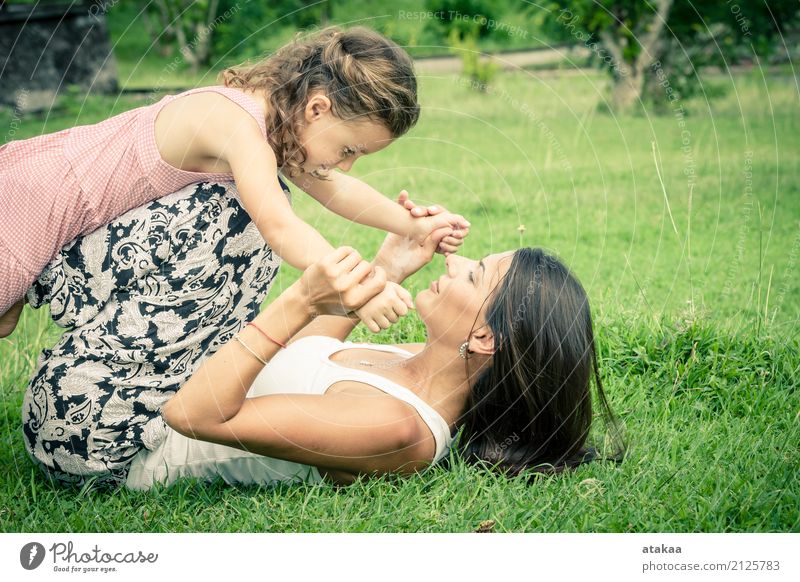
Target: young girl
[{"x": 315, "y": 105}]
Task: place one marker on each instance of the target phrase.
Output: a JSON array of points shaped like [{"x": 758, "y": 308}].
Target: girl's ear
[
  {"x": 482, "y": 341},
  {"x": 318, "y": 104}
]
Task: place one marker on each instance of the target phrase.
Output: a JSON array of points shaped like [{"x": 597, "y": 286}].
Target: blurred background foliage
[{"x": 638, "y": 43}]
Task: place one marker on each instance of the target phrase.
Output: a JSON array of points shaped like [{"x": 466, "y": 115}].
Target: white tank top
[{"x": 302, "y": 368}]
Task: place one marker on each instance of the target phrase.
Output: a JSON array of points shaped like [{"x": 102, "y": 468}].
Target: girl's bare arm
[
  {"x": 209, "y": 129},
  {"x": 359, "y": 202}
]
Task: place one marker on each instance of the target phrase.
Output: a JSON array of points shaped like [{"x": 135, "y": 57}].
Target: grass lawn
[{"x": 685, "y": 230}]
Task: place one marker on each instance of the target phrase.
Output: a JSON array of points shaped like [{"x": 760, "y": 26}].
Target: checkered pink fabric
[{"x": 58, "y": 186}]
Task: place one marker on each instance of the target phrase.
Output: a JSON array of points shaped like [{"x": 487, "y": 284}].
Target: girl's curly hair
[{"x": 363, "y": 74}]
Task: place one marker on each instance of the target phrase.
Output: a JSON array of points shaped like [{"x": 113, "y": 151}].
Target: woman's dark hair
[{"x": 532, "y": 409}]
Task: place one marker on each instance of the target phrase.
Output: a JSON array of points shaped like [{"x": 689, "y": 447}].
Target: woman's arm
[
  {"x": 216, "y": 391},
  {"x": 346, "y": 432},
  {"x": 349, "y": 433}
]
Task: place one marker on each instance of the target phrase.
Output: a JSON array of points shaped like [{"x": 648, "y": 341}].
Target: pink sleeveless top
[{"x": 58, "y": 186}]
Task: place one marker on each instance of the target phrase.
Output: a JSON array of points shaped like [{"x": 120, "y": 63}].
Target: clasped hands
[{"x": 345, "y": 284}]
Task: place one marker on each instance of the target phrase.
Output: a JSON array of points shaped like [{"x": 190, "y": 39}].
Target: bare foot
[{"x": 9, "y": 320}]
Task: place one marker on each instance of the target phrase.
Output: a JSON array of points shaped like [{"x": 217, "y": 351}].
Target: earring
[{"x": 462, "y": 350}]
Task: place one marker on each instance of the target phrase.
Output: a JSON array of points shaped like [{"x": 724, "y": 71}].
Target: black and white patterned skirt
[{"x": 143, "y": 300}]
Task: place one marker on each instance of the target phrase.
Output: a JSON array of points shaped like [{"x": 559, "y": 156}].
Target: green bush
[{"x": 479, "y": 72}]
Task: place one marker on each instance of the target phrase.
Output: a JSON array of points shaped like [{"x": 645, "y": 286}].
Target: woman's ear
[
  {"x": 318, "y": 104},
  {"x": 482, "y": 342}
]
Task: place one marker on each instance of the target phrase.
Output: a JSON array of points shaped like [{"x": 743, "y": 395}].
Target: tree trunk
[
  {"x": 629, "y": 76},
  {"x": 176, "y": 20},
  {"x": 626, "y": 92},
  {"x": 162, "y": 33},
  {"x": 198, "y": 50}
]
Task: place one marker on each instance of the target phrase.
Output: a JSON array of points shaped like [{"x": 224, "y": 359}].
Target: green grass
[{"x": 699, "y": 350}]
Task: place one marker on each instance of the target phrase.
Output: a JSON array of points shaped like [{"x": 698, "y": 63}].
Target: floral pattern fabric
[{"x": 143, "y": 299}]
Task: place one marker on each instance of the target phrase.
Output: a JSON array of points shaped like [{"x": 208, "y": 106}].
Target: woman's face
[{"x": 456, "y": 302}]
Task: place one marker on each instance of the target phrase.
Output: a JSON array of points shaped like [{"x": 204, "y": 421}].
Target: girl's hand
[
  {"x": 386, "y": 307},
  {"x": 416, "y": 211},
  {"x": 458, "y": 224},
  {"x": 340, "y": 283},
  {"x": 401, "y": 257}
]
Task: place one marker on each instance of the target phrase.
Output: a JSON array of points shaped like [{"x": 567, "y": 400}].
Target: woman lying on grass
[
  {"x": 371, "y": 409},
  {"x": 509, "y": 357}
]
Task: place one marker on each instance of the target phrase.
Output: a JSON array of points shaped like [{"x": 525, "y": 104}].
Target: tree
[
  {"x": 249, "y": 29},
  {"x": 188, "y": 23},
  {"x": 643, "y": 42},
  {"x": 467, "y": 17}
]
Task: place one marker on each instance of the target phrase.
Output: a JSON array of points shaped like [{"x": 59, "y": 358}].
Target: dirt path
[{"x": 508, "y": 60}]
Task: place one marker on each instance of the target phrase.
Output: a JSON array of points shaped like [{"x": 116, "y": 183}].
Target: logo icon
[{"x": 31, "y": 555}]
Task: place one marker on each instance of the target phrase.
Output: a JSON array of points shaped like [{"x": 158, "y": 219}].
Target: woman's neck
[{"x": 439, "y": 376}]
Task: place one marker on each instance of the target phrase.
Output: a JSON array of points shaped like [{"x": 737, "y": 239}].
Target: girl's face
[
  {"x": 455, "y": 304},
  {"x": 333, "y": 143}
]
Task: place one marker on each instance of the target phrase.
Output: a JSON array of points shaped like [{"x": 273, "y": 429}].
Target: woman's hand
[
  {"x": 402, "y": 257},
  {"x": 340, "y": 283}
]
